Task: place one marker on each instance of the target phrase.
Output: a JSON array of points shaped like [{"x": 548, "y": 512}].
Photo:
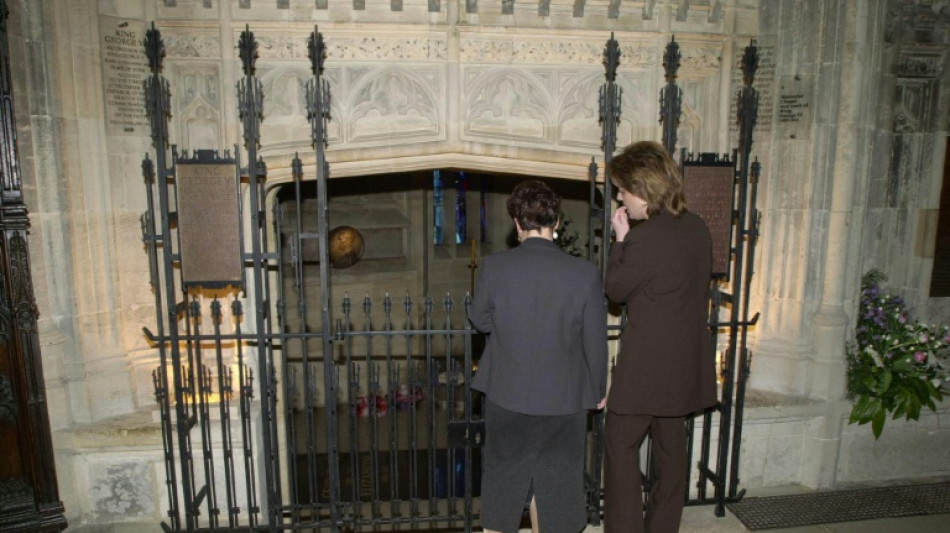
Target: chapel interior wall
[{"x": 487, "y": 91}]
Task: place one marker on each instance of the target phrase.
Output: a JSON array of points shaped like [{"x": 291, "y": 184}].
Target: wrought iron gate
[{"x": 272, "y": 413}]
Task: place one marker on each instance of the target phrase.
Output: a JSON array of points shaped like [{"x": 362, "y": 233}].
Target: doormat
[{"x": 841, "y": 506}]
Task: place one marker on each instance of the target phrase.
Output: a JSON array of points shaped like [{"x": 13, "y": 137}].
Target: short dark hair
[
  {"x": 534, "y": 205},
  {"x": 646, "y": 170}
]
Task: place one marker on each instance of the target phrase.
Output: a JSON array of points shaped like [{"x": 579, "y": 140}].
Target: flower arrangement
[{"x": 896, "y": 365}]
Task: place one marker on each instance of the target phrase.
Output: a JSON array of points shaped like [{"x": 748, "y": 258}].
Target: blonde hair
[{"x": 647, "y": 171}]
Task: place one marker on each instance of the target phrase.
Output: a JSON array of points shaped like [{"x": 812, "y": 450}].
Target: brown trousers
[{"x": 623, "y": 486}]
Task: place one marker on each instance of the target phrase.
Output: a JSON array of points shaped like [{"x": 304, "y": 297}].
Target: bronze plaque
[
  {"x": 208, "y": 224},
  {"x": 709, "y": 194}
]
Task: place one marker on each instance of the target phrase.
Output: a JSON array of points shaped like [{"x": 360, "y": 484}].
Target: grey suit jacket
[{"x": 546, "y": 319}]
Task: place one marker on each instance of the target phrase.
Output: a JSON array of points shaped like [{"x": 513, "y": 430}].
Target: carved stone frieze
[
  {"x": 914, "y": 105},
  {"x": 390, "y": 48},
  {"x": 197, "y": 103},
  {"x": 917, "y": 21},
  {"x": 191, "y": 83},
  {"x": 475, "y": 48},
  {"x": 280, "y": 46},
  {"x": 640, "y": 106},
  {"x": 577, "y": 120},
  {"x": 191, "y": 46},
  {"x": 702, "y": 57},
  {"x": 914, "y": 64},
  {"x": 690, "y": 127},
  {"x": 392, "y": 102},
  {"x": 343, "y": 47},
  {"x": 509, "y": 103},
  {"x": 284, "y": 91}
]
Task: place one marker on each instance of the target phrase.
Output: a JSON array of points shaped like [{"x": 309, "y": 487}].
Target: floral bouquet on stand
[{"x": 896, "y": 364}]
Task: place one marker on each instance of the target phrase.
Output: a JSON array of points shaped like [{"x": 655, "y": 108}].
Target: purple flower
[
  {"x": 924, "y": 338},
  {"x": 920, "y": 357},
  {"x": 902, "y": 319}
]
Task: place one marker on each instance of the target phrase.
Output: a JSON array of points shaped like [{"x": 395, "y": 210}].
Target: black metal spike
[
  {"x": 154, "y": 49},
  {"x": 612, "y": 57},
  {"x": 750, "y": 63},
  {"x": 671, "y": 60},
  {"x": 317, "y": 51},
  {"x": 248, "y": 50},
  {"x": 297, "y": 167}
]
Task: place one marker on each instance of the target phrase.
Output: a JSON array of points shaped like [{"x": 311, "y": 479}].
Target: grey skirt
[{"x": 539, "y": 455}]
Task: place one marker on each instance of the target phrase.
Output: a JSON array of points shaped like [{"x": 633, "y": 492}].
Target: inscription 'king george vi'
[
  {"x": 124, "y": 67},
  {"x": 208, "y": 223}
]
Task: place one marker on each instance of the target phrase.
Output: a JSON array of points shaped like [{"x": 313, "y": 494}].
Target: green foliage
[{"x": 896, "y": 365}]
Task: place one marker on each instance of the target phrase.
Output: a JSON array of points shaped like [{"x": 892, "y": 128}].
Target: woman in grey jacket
[{"x": 544, "y": 366}]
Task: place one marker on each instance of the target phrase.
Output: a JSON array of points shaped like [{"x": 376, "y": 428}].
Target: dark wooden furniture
[{"x": 29, "y": 498}]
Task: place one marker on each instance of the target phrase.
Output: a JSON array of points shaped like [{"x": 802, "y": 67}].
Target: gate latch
[{"x": 463, "y": 433}]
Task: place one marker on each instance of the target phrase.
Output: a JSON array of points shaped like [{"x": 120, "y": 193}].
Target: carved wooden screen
[{"x": 29, "y": 498}]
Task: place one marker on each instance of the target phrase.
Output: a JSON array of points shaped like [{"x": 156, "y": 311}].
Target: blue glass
[
  {"x": 436, "y": 207},
  {"x": 461, "y": 219}
]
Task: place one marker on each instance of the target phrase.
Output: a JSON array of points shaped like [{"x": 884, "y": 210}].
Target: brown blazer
[{"x": 661, "y": 271}]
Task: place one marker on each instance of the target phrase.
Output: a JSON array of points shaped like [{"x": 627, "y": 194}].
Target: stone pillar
[
  {"x": 793, "y": 188},
  {"x": 851, "y": 72},
  {"x": 857, "y": 62}
]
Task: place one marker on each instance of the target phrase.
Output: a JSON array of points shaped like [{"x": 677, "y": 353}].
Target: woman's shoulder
[
  {"x": 695, "y": 220},
  {"x": 685, "y": 218}
]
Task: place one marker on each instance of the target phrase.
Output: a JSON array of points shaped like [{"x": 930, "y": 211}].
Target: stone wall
[{"x": 847, "y": 137}]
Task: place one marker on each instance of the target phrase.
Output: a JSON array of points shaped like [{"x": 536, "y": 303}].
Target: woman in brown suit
[{"x": 660, "y": 268}]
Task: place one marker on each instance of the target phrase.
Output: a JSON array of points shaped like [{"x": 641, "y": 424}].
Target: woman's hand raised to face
[{"x": 620, "y": 223}]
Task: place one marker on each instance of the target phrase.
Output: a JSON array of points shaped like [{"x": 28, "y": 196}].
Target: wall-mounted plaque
[
  {"x": 124, "y": 67},
  {"x": 209, "y": 224},
  {"x": 794, "y": 107},
  {"x": 709, "y": 194}
]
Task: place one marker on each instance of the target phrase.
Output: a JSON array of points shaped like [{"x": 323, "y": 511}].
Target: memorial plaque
[
  {"x": 709, "y": 192},
  {"x": 124, "y": 68},
  {"x": 208, "y": 225},
  {"x": 764, "y": 83},
  {"x": 794, "y": 107}
]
